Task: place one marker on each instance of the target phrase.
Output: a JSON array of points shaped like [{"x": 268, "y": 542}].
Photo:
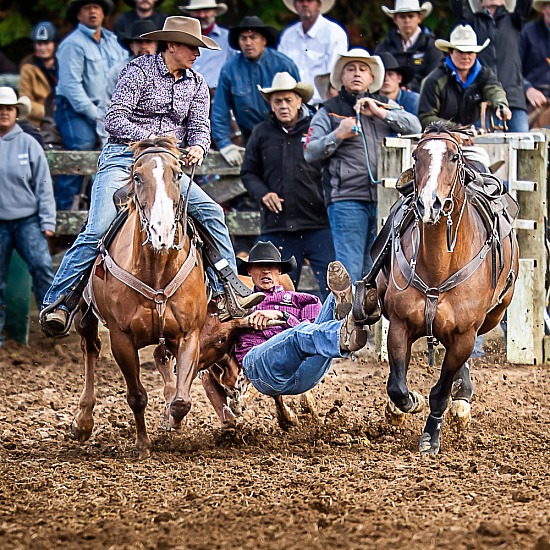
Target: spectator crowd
[{"x": 301, "y": 111}]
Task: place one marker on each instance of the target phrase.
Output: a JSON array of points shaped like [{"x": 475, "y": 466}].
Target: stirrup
[
  {"x": 366, "y": 308},
  {"x": 51, "y": 307}
]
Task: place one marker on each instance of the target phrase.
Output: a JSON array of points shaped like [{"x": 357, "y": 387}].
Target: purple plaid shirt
[
  {"x": 301, "y": 307},
  {"x": 147, "y": 100}
]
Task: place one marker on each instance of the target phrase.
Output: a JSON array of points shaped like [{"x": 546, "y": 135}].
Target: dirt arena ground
[{"x": 344, "y": 480}]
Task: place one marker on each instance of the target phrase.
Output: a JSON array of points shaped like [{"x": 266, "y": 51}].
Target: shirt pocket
[{"x": 241, "y": 88}]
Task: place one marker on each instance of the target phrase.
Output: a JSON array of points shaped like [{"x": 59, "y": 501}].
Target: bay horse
[
  {"x": 148, "y": 288},
  {"x": 447, "y": 278}
]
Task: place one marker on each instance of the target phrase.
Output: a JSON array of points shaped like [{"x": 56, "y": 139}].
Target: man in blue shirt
[
  {"x": 84, "y": 59},
  {"x": 396, "y": 78},
  {"x": 256, "y": 65}
]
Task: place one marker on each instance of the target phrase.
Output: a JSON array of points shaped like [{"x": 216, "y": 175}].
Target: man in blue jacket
[{"x": 255, "y": 65}]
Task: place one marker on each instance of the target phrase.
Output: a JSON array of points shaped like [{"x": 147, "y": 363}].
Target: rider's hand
[
  {"x": 368, "y": 107},
  {"x": 347, "y": 129},
  {"x": 258, "y": 319},
  {"x": 503, "y": 113},
  {"x": 536, "y": 98},
  {"x": 273, "y": 202},
  {"x": 195, "y": 155},
  {"x": 233, "y": 154}
]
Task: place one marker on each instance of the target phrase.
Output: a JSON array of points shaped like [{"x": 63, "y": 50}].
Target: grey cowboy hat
[
  {"x": 284, "y": 82},
  {"x": 265, "y": 253},
  {"x": 74, "y": 7},
  {"x": 475, "y": 5},
  {"x": 326, "y": 5},
  {"x": 253, "y": 23},
  {"x": 184, "y": 30},
  {"x": 195, "y": 5},
  {"x": 9, "y": 97},
  {"x": 139, "y": 27}
]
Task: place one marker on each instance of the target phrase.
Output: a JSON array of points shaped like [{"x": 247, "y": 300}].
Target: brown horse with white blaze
[
  {"x": 149, "y": 288},
  {"x": 441, "y": 282}
]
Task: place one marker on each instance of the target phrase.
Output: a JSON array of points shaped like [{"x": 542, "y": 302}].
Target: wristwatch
[{"x": 286, "y": 316}]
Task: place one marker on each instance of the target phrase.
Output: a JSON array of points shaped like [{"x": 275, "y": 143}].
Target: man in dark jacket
[
  {"x": 456, "y": 89},
  {"x": 141, "y": 10},
  {"x": 411, "y": 44},
  {"x": 500, "y": 21},
  {"x": 287, "y": 188}
]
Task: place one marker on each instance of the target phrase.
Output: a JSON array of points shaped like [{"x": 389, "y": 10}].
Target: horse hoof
[
  {"x": 460, "y": 415},
  {"x": 79, "y": 435},
  {"x": 143, "y": 454},
  {"x": 395, "y": 416},
  {"x": 286, "y": 422},
  {"x": 419, "y": 403},
  {"x": 427, "y": 446}
]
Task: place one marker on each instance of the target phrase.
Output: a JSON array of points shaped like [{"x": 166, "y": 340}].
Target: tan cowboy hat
[
  {"x": 284, "y": 82},
  {"x": 475, "y": 5},
  {"x": 195, "y": 5},
  {"x": 322, "y": 83},
  {"x": 409, "y": 6},
  {"x": 539, "y": 4},
  {"x": 358, "y": 54},
  {"x": 464, "y": 39},
  {"x": 184, "y": 30},
  {"x": 8, "y": 97},
  {"x": 326, "y": 5}
]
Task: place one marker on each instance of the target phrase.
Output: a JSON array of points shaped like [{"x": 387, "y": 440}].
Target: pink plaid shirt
[{"x": 299, "y": 305}]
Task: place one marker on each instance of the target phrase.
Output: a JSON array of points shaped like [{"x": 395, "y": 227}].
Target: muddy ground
[{"x": 344, "y": 480}]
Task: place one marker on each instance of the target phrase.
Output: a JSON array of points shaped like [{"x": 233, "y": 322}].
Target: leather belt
[{"x": 118, "y": 141}]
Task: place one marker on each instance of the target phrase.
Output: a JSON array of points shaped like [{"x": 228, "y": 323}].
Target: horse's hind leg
[
  {"x": 308, "y": 405},
  {"x": 285, "y": 416},
  {"x": 83, "y": 423},
  {"x": 400, "y": 399},
  {"x": 128, "y": 360},
  {"x": 460, "y": 407},
  {"x": 166, "y": 370},
  {"x": 217, "y": 396}
]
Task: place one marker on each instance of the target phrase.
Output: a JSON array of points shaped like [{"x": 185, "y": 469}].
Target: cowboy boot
[
  {"x": 231, "y": 306},
  {"x": 339, "y": 283},
  {"x": 366, "y": 307}
]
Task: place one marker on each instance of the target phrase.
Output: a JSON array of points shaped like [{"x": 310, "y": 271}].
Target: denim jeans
[
  {"x": 315, "y": 244},
  {"x": 297, "y": 359},
  {"x": 27, "y": 238},
  {"x": 115, "y": 162},
  {"x": 354, "y": 228},
  {"x": 79, "y": 134},
  {"x": 518, "y": 123}
]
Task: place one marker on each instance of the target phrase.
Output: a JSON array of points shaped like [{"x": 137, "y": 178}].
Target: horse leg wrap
[{"x": 430, "y": 440}]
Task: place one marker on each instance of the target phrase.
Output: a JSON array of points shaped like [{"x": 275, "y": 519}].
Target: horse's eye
[
  {"x": 414, "y": 155},
  {"x": 455, "y": 158},
  {"x": 179, "y": 175},
  {"x": 137, "y": 178}
]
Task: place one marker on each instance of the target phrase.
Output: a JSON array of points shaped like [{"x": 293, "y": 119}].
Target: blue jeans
[
  {"x": 297, "y": 359},
  {"x": 314, "y": 244},
  {"x": 115, "y": 162},
  {"x": 518, "y": 123},
  {"x": 27, "y": 238},
  {"x": 354, "y": 228},
  {"x": 79, "y": 134}
]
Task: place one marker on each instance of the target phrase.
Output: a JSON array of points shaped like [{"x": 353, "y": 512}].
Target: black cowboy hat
[
  {"x": 74, "y": 7},
  {"x": 253, "y": 23},
  {"x": 391, "y": 64},
  {"x": 265, "y": 253},
  {"x": 139, "y": 27},
  {"x": 132, "y": 3}
]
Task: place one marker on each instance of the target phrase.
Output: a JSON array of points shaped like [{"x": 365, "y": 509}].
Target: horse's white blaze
[
  {"x": 437, "y": 149},
  {"x": 162, "y": 211}
]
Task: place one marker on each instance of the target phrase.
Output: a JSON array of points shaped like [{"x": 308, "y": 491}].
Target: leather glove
[{"x": 233, "y": 154}]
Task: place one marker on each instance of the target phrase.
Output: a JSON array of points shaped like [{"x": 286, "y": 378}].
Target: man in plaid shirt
[{"x": 293, "y": 338}]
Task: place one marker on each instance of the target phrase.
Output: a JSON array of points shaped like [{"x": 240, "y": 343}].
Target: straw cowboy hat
[
  {"x": 409, "y": 6},
  {"x": 475, "y": 5},
  {"x": 139, "y": 27},
  {"x": 326, "y": 5},
  {"x": 391, "y": 64},
  {"x": 132, "y": 3},
  {"x": 74, "y": 7},
  {"x": 265, "y": 253},
  {"x": 539, "y": 4},
  {"x": 184, "y": 30},
  {"x": 253, "y": 23},
  {"x": 284, "y": 82},
  {"x": 464, "y": 39},
  {"x": 23, "y": 104},
  {"x": 195, "y": 5},
  {"x": 358, "y": 54}
]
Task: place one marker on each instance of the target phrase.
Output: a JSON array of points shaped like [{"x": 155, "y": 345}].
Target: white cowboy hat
[
  {"x": 184, "y": 30},
  {"x": 326, "y": 5},
  {"x": 195, "y": 5},
  {"x": 8, "y": 97},
  {"x": 358, "y": 54},
  {"x": 464, "y": 39},
  {"x": 475, "y": 5},
  {"x": 409, "y": 6},
  {"x": 284, "y": 82},
  {"x": 539, "y": 4}
]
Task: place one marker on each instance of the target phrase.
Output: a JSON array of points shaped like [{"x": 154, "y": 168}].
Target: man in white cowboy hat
[
  {"x": 141, "y": 10},
  {"x": 27, "y": 204},
  {"x": 455, "y": 90},
  {"x": 292, "y": 339},
  {"x": 84, "y": 58},
  {"x": 287, "y": 189},
  {"x": 412, "y": 44},
  {"x": 313, "y": 41},
  {"x": 534, "y": 49},
  {"x": 210, "y": 62},
  {"x": 344, "y": 135},
  {"x": 255, "y": 65},
  {"x": 177, "y": 105},
  {"x": 501, "y": 21}
]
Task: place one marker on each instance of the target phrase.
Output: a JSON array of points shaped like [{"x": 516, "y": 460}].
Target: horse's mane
[
  {"x": 166, "y": 142},
  {"x": 463, "y": 134}
]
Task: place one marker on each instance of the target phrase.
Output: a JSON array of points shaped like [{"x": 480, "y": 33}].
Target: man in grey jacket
[{"x": 344, "y": 134}]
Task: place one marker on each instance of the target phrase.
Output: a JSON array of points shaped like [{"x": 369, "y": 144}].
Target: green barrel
[{"x": 18, "y": 300}]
